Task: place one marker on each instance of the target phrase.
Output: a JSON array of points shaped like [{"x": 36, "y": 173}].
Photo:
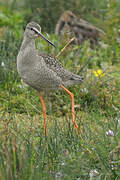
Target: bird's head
[{"x": 33, "y": 30}]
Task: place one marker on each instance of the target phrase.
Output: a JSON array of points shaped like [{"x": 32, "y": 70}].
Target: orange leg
[
  {"x": 44, "y": 115},
  {"x": 73, "y": 109}
]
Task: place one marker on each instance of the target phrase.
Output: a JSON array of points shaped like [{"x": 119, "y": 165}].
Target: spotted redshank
[{"x": 41, "y": 71}]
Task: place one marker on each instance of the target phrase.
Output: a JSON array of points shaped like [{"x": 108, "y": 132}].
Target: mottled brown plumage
[{"x": 81, "y": 29}]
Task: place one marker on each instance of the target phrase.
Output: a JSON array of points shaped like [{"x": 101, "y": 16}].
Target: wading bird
[{"x": 41, "y": 71}]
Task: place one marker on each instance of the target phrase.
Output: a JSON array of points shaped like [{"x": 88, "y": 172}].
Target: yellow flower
[{"x": 98, "y": 73}]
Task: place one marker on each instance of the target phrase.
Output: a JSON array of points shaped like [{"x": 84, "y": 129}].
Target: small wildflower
[
  {"x": 93, "y": 173},
  {"x": 118, "y": 39},
  {"x": 110, "y": 133},
  {"x": 118, "y": 123},
  {"x": 47, "y": 35},
  {"x": 2, "y": 64},
  {"x": 58, "y": 175},
  {"x": 98, "y": 73},
  {"x": 63, "y": 163},
  {"x": 84, "y": 90}
]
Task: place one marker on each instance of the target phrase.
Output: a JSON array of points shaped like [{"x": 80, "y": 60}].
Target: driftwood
[{"x": 81, "y": 29}]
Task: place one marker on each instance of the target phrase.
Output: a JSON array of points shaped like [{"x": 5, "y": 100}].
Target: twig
[{"x": 67, "y": 45}]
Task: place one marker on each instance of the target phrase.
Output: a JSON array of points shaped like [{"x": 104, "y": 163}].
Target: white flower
[
  {"x": 2, "y": 64},
  {"x": 63, "y": 163},
  {"x": 58, "y": 175},
  {"x": 47, "y": 35},
  {"x": 93, "y": 173},
  {"x": 84, "y": 90},
  {"x": 118, "y": 123},
  {"x": 118, "y": 39},
  {"x": 110, "y": 133}
]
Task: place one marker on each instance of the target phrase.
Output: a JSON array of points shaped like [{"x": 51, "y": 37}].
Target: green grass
[
  {"x": 25, "y": 153},
  {"x": 65, "y": 153}
]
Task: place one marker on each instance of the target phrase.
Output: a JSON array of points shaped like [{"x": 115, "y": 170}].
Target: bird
[
  {"x": 80, "y": 28},
  {"x": 42, "y": 71}
]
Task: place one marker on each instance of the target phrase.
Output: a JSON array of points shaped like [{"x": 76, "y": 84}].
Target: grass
[
  {"x": 91, "y": 153},
  {"x": 64, "y": 154}
]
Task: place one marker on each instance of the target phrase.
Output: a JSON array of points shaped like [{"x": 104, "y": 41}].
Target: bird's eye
[{"x": 32, "y": 29}]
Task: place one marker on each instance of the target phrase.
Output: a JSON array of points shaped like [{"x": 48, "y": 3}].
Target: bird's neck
[{"x": 28, "y": 43}]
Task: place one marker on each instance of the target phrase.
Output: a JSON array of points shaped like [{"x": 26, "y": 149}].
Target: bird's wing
[
  {"x": 56, "y": 66},
  {"x": 84, "y": 27}
]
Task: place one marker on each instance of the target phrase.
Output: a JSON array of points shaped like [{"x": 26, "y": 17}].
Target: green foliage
[
  {"x": 113, "y": 29},
  {"x": 113, "y": 21},
  {"x": 48, "y": 12},
  {"x": 65, "y": 153},
  {"x": 9, "y": 50},
  {"x": 12, "y": 19},
  {"x": 26, "y": 153}
]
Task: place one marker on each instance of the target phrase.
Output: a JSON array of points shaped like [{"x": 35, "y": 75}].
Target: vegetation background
[{"x": 94, "y": 152}]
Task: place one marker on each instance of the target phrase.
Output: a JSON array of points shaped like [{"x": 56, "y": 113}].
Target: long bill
[{"x": 41, "y": 35}]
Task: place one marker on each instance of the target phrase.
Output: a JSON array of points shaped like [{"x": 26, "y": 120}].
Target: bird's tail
[
  {"x": 74, "y": 80},
  {"x": 77, "y": 79}
]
